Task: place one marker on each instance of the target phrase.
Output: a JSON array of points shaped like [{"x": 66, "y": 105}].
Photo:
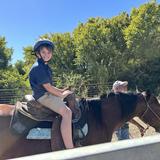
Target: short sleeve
[{"x": 41, "y": 76}]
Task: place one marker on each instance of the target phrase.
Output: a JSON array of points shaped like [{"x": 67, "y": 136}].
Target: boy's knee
[{"x": 65, "y": 112}]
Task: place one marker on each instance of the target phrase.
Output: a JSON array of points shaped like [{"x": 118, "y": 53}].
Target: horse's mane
[
  {"x": 94, "y": 105},
  {"x": 127, "y": 102}
]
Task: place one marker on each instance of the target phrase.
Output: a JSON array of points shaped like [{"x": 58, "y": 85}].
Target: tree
[
  {"x": 100, "y": 47},
  {"x": 5, "y": 53},
  {"x": 143, "y": 34}
]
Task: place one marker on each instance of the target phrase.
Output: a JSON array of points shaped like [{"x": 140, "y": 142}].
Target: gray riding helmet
[{"x": 44, "y": 42}]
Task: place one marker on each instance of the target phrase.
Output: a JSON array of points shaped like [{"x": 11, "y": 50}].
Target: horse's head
[
  {"x": 73, "y": 105},
  {"x": 150, "y": 113}
]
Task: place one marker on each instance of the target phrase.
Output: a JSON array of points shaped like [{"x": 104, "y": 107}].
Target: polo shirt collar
[{"x": 40, "y": 61}]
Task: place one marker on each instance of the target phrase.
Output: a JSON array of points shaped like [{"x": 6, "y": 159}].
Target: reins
[
  {"x": 145, "y": 112},
  {"x": 149, "y": 108}
]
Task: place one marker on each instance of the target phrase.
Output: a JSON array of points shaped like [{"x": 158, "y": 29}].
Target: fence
[
  {"x": 10, "y": 96},
  {"x": 98, "y": 89},
  {"x": 146, "y": 148}
]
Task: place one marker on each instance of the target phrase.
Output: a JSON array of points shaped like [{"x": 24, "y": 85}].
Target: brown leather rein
[{"x": 148, "y": 108}]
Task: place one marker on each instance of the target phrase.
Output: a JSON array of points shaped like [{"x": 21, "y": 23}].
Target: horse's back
[{"x": 6, "y": 109}]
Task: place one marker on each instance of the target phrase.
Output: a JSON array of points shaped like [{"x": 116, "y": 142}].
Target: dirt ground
[{"x": 134, "y": 131}]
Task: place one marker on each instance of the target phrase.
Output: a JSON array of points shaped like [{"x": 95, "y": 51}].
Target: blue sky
[{"x": 23, "y": 21}]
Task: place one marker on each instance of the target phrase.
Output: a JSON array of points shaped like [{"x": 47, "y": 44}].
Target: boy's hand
[
  {"x": 66, "y": 93},
  {"x": 66, "y": 88}
]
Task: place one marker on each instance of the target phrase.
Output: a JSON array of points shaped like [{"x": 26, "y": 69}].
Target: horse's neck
[
  {"x": 140, "y": 107},
  {"x": 6, "y": 109}
]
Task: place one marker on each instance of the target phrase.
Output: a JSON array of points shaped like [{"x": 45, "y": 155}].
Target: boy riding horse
[{"x": 45, "y": 92}]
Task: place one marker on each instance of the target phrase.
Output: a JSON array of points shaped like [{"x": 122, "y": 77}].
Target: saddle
[{"x": 30, "y": 114}]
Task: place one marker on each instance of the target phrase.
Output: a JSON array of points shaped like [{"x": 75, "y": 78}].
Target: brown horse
[
  {"x": 108, "y": 113},
  {"x": 102, "y": 115}
]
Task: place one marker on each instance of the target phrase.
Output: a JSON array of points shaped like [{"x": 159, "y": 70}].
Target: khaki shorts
[{"x": 52, "y": 102}]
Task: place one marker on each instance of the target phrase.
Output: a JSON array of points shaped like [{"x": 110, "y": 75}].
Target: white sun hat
[{"x": 116, "y": 84}]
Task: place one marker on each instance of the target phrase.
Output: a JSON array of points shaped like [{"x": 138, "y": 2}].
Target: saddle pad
[
  {"x": 45, "y": 133},
  {"x": 39, "y": 133}
]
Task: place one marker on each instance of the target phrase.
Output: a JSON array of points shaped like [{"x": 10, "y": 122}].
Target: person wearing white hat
[
  {"x": 121, "y": 86},
  {"x": 123, "y": 132}
]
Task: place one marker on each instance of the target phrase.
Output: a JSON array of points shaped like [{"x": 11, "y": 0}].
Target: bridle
[{"x": 148, "y": 108}]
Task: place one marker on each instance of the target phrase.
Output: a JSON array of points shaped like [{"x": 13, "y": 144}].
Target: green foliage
[
  {"x": 64, "y": 54},
  {"x": 145, "y": 76},
  {"x": 100, "y": 47},
  {"x": 20, "y": 67},
  {"x": 10, "y": 78},
  {"x": 5, "y": 53},
  {"x": 143, "y": 33},
  {"x": 76, "y": 82},
  {"x": 100, "y": 51}
]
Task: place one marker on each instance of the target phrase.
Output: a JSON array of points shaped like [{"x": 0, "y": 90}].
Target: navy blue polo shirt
[{"x": 40, "y": 74}]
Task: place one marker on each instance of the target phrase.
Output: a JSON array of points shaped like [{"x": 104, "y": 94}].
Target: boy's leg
[
  {"x": 57, "y": 105},
  {"x": 66, "y": 127}
]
